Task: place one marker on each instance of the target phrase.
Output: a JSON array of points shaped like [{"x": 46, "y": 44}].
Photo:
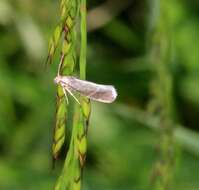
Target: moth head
[{"x": 57, "y": 79}]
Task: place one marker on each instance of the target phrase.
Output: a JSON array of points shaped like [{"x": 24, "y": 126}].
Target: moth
[{"x": 93, "y": 91}]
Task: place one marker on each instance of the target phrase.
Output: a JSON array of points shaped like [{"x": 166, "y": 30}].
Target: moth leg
[
  {"x": 65, "y": 93},
  {"x": 73, "y": 96}
]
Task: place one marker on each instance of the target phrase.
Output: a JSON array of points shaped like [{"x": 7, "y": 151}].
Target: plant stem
[
  {"x": 83, "y": 40},
  {"x": 162, "y": 90}
]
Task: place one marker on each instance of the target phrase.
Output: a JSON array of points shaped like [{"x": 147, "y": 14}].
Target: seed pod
[
  {"x": 67, "y": 62},
  {"x": 53, "y": 43},
  {"x": 59, "y": 132}
]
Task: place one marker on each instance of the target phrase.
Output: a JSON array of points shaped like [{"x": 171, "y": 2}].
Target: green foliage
[
  {"x": 123, "y": 137},
  {"x": 71, "y": 175}
]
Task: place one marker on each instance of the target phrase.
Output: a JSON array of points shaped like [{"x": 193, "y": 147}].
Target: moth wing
[{"x": 97, "y": 92}]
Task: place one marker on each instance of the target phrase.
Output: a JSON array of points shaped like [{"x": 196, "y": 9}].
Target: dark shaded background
[{"x": 122, "y": 139}]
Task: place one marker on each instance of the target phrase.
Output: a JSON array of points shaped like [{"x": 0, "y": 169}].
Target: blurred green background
[{"x": 123, "y": 138}]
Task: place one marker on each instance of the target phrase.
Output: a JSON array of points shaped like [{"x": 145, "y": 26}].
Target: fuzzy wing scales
[{"x": 97, "y": 92}]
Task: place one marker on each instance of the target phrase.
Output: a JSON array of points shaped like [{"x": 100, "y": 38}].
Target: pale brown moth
[{"x": 97, "y": 92}]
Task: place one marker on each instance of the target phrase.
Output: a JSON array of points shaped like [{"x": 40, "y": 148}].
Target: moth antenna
[
  {"x": 73, "y": 96},
  {"x": 59, "y": 66}
]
